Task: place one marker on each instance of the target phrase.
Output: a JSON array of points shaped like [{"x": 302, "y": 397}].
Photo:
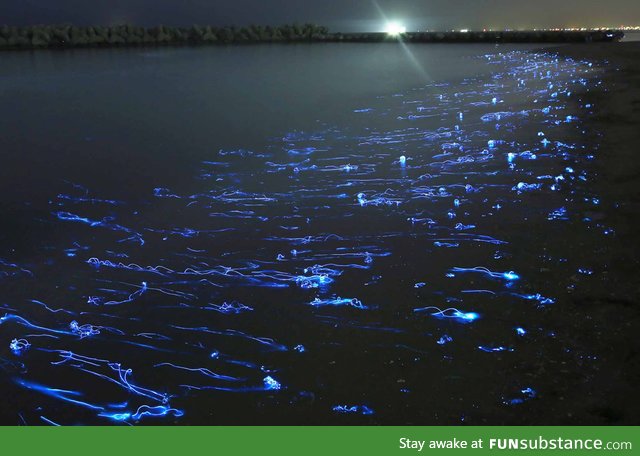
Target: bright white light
[{"x": 395, "y": 29}]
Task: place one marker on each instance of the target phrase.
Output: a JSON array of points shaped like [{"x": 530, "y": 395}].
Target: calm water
[{"x": 340, "y": 234}]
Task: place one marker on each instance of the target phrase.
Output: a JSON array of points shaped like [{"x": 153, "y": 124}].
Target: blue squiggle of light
[
  {"x": 357, "y": 409},
  {"x": 234, "y": 333},
  {"x": 352, "y": 302},
  {"x": 509, "y": 275},
  {"x": 450, "y": 313},
  {"x": 48, "y": 421},
  {"x": 229, "y": 307},
  {"x": 493, "y": 349},
  {"x": 143, "y": 411},
  {"x": 527, "y": 394},
  {"x": 202, "y": 370},
  {"x": 445, "y": 339},
  {"x": 22, "y": 321},
  {"x": 19, "y": 346},
  {"x": 58, "y": 393},
  {"x": 105, "y": 223},
  {"x": 544, "y": 301}
]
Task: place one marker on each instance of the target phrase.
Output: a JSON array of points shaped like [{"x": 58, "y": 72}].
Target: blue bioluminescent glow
[
  {"x": 445, "y": 340},
  {"x": 271, "y": 384},
  {"x": 8, "y": 269},
  {"x": 201, "y": 370},
  {"x": 116, "y": 416},
  {"x": 321, "y": 266},
  {"x": 19, "y": 346},
  {"x": 21, "y": 321},
  {"x": 229, "y": 308},
  {"x": 493, "y": 349},
  {"x": 357, "y": 409},
  {"x": 157, "y": 411},
  {"x": 525, "y": 395},
  {"x": 314, "y": 281},
  {"x": 83, "y": 330},
  {"x": 105, "y": 223},
  {"x": 64, "y": 395},
  {"x": 450, "y": 313},
  {"x": 48, "y": 421},
  {"x": 352, "y": 302},
  {"x": 508, "y": 276},
  {"x": 542, "y": 300}
]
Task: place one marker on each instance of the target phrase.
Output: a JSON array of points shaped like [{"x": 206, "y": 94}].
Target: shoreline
[
  {"x": 72, "y": 37},
  {"x": 615, "y": 119},
  {"x": 616, "y": 109}
]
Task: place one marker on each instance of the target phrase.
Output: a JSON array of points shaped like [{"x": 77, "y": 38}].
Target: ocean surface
[{"x": 300, "y": 234}]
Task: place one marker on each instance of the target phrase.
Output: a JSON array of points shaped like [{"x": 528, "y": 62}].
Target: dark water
[
  {"x": 340, "y": 234},
  {"x": 631, "y": 36}
]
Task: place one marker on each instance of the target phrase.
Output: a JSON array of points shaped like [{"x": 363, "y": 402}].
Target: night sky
[{"x": 339, "y": 15}]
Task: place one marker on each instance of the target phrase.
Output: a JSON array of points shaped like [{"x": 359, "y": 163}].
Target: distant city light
[{"x": 395, "y": 29}]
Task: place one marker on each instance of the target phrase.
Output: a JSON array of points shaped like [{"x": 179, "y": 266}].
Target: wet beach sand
[{"x": 608, "y": 312}]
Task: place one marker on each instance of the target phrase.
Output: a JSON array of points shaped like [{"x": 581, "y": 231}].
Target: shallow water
[{"x": 344, "y": 234}]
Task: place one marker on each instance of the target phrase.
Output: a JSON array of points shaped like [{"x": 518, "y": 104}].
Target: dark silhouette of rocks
[{"x": 68, "y": 36}]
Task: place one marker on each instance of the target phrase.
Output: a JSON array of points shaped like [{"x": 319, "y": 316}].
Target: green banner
[{"x": 331, "y": 441}]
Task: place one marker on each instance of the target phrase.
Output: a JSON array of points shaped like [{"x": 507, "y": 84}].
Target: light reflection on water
[{"x": 393, "y": 267}]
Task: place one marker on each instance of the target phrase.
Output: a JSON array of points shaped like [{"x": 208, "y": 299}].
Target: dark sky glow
[{"x": 339, "y": 15}]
